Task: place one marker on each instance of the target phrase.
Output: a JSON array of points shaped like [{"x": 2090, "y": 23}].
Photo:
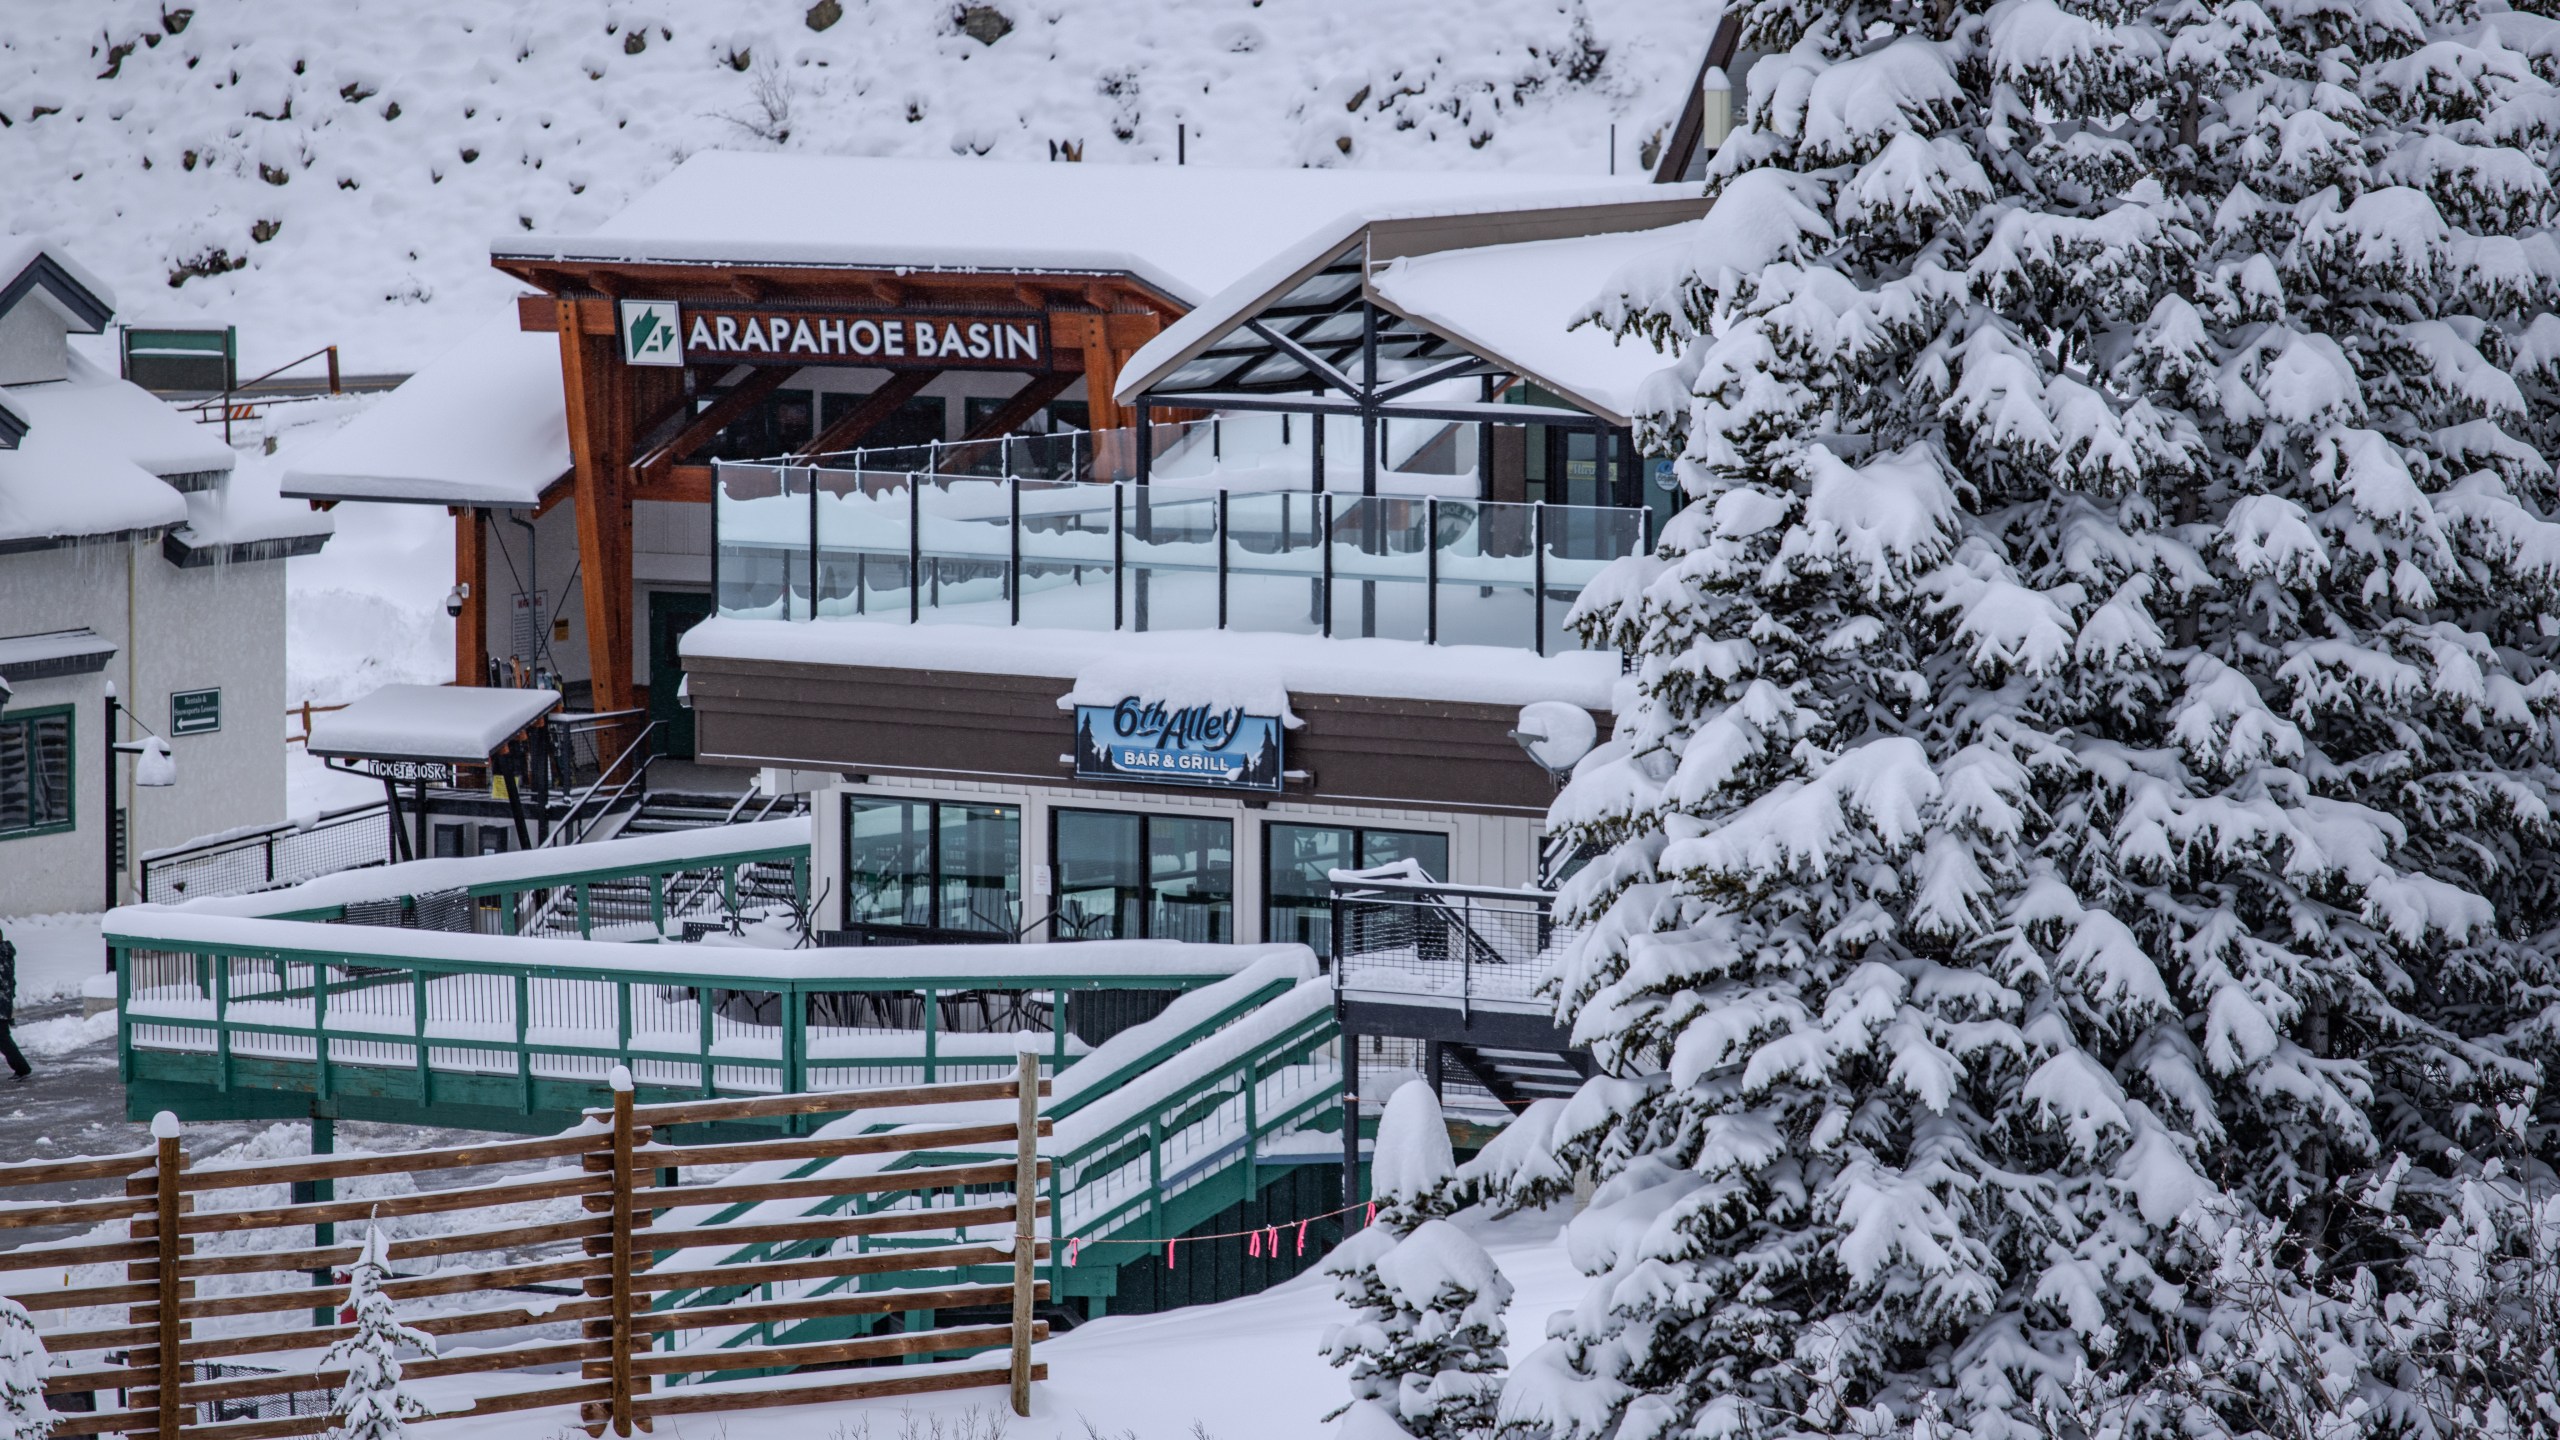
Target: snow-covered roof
[
  {"x": 53, "y": 652},
  {"x": 1296, "y": 664},
  {"x": 429, "y": 722},
  {"x": 485, "y": 424},
  {"x": 104, "y": 411},
  {"x": 1519, "y": 302},
  {"x": 1556, "y": 218},
  {"x": 33, "y": 269},
  {"x": 91, "y": 459},
  {"x": 248, "y": 510},
  {"x": 1187, "y": 230}
]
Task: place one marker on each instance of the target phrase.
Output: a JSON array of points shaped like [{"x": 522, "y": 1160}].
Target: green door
[{"x": 671, "y": 613}]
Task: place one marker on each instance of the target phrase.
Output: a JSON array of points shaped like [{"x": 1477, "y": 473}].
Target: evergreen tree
[
  {"x": 1424, "y": 1346},
  {"x": 24, "y": 1415},
  {"x": 373, "y": 1404},
  {"x": 2093, "y": 750}
]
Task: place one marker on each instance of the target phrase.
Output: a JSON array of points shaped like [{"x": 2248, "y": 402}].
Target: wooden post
[
  {"x": 1026, "y": 1204},
  {"x": 620, "y": 1302},
  {"x": 166, "y": 1249},
  {"x": 598, "y": 395},
  {"x": 471, "y": 576}
]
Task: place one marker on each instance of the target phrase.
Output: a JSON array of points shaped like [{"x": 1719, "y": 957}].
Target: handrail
[
  {"x": 239, "y": 839},
  {"x": 1237, "y": 1078},
  {"x": 570, "y": 818}
]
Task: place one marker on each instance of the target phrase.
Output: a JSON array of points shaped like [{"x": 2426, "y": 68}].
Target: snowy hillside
[{"x": 319, "y": 173}]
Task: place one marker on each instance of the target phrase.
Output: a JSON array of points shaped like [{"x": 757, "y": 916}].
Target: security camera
[{"x": 453, "y": 599}]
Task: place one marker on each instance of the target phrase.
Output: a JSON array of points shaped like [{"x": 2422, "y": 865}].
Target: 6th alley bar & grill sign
[{"x": 665, "y": 332}]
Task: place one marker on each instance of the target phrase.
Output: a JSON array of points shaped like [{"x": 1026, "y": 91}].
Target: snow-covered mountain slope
[{"x": 333, "y": 172}]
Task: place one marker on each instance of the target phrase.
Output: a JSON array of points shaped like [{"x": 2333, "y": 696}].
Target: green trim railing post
[
  {"x": 703, "y": 994},
  {"x": 221, "y": 1022},
  {"x": 586, "y": 912},
  {"x": 795, "y": 1046},
  {"x": 1057, "y": 1031},
  {"x": 657, "y": 906},
  {"x": 524, "y": 1045},
  {"x": 1251, "y": 1124},
  {"x": 320, "y": 1028},
  {"x": 622, "y": 1021},
  {"x": 418, "y": 1029},
  {"x": 932, "y": 1017},
  {"x": 511, "y": 918}
]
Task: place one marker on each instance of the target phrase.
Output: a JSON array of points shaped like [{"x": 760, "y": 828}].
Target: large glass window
[
  {"x": 1122, "y": 876},
  {"x": 1299, "y": 859},
  {"x": 35, "y": 772},
  {"x": 932, "y": 865}
]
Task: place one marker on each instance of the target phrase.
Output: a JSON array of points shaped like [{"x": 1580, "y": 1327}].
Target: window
[
  {"x": 927, "y": 865},
  {"x": 35, "y": 772},
  {"x": 1298, "y": 859},
  {"x": 1156, "y": 877}
]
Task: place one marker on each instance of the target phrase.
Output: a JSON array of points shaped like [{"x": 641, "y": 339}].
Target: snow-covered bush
[
  {"x": 373, "y": 1404},
  {"x": 2093, "y": 749},
  {"x": 1424, "y": 1345},
  {"x": 23, "y": 1412}
]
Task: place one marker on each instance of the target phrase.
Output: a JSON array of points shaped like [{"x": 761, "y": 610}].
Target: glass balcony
[{"x": 1230, "y": 534}]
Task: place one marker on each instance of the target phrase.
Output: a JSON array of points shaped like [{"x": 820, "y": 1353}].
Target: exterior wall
[
  {"x": 213, "y": 627},
  {"x": 1486, "y": 850},
  {"x": 65, "y": 589},
  {"x": 217, "y": 627},
  {"x": 552, "y": 560},
  {"x": 1359, "y": 750},
  {"x": 32, "y": 345}
]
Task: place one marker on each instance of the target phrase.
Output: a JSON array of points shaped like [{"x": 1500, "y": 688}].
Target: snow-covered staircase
[{"x": 1157, "y": 1132}]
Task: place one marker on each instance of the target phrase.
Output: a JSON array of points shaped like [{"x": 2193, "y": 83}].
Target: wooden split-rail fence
[{"x": 170, "y": 1367}]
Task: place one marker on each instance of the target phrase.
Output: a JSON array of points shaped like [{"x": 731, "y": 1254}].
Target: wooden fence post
[
  {"x": 1026, "y": 1205},
  {"x": 620, "y": 1302},
  {"x": 166, "y": 1249}
]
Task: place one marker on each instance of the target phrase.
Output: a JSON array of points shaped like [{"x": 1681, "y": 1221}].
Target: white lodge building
[{"x": 127, "y": 567}]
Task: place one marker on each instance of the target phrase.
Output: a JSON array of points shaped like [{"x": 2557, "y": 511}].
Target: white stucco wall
[{"x": 216, "y": 627}]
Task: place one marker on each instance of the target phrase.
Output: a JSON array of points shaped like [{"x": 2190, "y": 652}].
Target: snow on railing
[
  {"x": 1215, "y": 544},
  {"x": 438, "y": 1021}
]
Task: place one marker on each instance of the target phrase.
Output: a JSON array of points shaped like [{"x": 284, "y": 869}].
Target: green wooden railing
[
  {"x": 232, "y": 1018},
  {"x": 1153, "y": 1172}
]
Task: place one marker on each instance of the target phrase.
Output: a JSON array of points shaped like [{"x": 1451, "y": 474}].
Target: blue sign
[{"x": 1159, "y": 744}]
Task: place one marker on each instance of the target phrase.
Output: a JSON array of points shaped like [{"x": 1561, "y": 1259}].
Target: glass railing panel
[
  {"x": 1381, "y": 554},
  {"x": 1581, "y": 540},
  {"x": 863, "y": 570},
  {"x": 1485, "y": 574},
  {"x": 1066, "y": 575},
  {"x": 966, "y": 549},
  {"x": 1275, "y": 562},
  {"x": 1170, "y": 544},
  {"x": 761, "y": 519}
]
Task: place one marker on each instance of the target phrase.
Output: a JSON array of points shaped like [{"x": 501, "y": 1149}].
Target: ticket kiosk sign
[{"x": 1153, "y": 743}]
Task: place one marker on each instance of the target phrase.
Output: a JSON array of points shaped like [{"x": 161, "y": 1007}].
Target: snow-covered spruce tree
[
  {"x": 373, "y": 1404},
  {"x": 24, "y": 1415},
  {"x": 1424, "y": 1345},
  {"x": 2093, "y": 741}
]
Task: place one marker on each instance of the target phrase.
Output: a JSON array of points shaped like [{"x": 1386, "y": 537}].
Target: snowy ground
[{"x": 1244, "y": 1370}]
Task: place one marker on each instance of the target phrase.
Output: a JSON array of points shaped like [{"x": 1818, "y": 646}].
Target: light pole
[{"x": 155, "y": 767}]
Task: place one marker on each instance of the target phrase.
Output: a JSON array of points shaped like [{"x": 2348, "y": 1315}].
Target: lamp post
[{"x": 155, "y": 767}]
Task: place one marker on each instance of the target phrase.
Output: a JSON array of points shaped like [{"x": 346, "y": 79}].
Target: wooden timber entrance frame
[{"x": 638, "y": 432}]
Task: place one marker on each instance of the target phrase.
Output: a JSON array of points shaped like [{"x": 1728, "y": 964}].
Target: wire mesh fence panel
[
  {"x": 284, "y": 855},
  {"x": 1445, "y": 945}
]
